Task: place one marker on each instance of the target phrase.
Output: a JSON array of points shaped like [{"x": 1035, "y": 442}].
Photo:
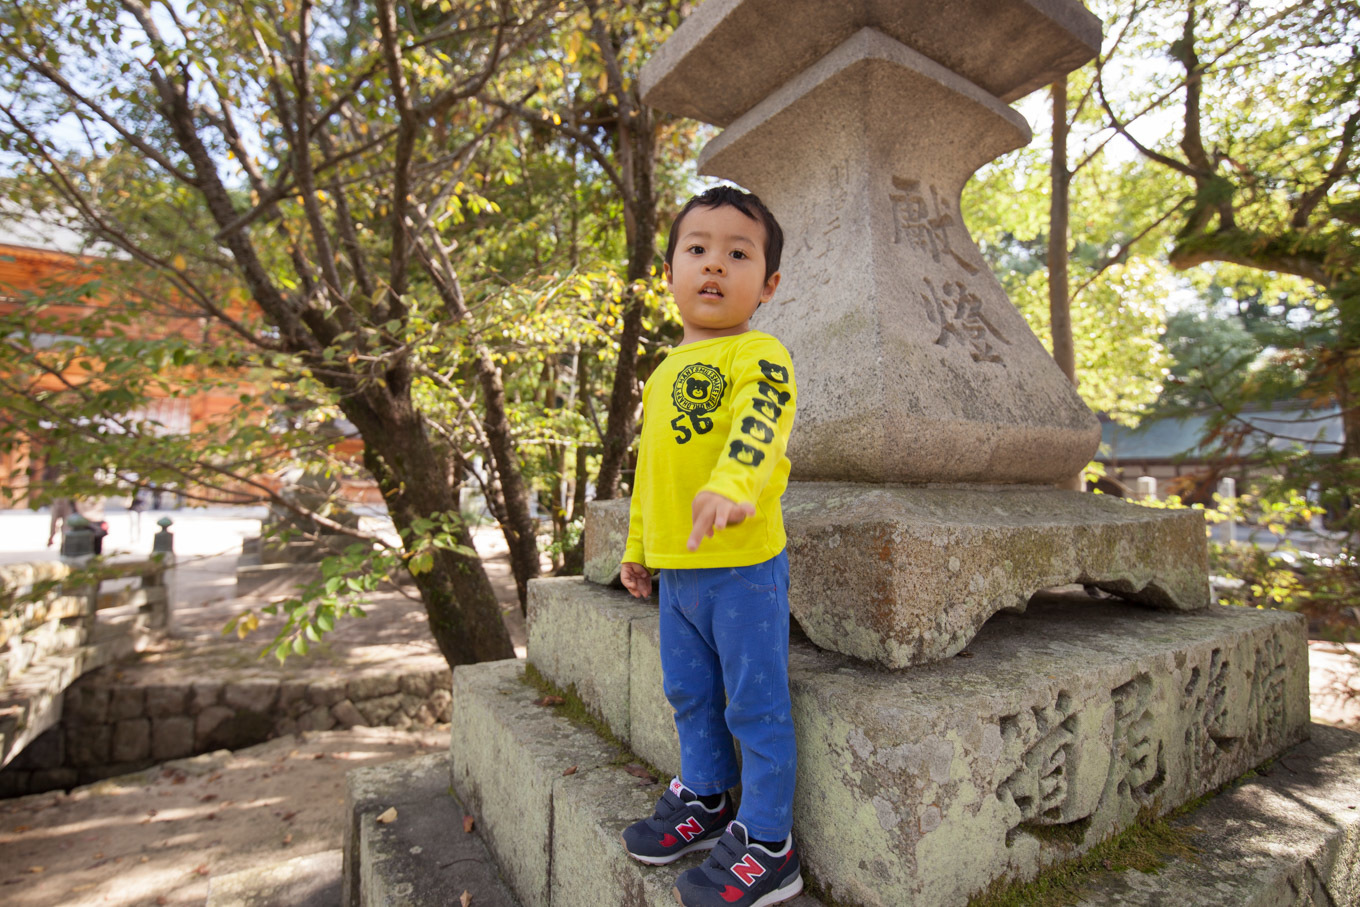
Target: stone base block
[
  {"x": 551, "y": 799},
  {"x": 579, "y": 637},
  {"x": 1056, "y": 730},
  {"x": 901, "y": 575},
  {"x": 422, "y": 859},
  {"x": 1288, "y": 836}
]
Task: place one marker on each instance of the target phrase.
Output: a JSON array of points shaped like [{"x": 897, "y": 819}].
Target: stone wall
[{"x": 110, "y": 729}]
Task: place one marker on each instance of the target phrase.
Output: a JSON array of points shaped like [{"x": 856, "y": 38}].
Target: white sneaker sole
[
  {"x": 791, "y": 889},
  {"x": 705, "y": 844}
]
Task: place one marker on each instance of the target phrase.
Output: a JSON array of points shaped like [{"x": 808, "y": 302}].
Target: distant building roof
[
  {"x": 1181, "y": 439},
  {"x": 52, "y": 231}
]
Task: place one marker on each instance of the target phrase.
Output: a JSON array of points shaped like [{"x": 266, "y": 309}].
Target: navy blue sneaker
[
  {"x": 680, "y": 824},
  {"x": 742, "y": 874}
]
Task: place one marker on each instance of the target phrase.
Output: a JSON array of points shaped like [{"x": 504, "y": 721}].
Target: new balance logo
[
  {"x": 689, "y": 829},
  {"x": 748, "y": 869}
]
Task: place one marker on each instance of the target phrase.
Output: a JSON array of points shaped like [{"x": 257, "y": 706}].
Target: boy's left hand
[{"x": 712, "y": 512}]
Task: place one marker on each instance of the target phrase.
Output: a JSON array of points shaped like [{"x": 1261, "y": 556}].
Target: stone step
[
  {"x": 551, "y": 798},
  {"x": 423, "y": 857},
  {"x": 1059, "y": 727},
  {"x": 1289, "y": 833}
]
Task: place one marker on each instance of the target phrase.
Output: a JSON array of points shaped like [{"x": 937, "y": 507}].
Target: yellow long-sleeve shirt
[{"x": 716, "y": 417}]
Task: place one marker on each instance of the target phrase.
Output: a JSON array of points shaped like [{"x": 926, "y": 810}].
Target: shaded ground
[{"x": 158, "y": 836}]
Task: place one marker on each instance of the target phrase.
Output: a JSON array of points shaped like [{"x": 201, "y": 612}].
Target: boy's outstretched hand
[
  {"x": 712, "y": 512},
  {"x": 637, "y": 579}
]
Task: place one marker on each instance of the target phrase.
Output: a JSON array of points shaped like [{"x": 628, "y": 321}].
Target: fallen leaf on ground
[
  {"x": 468, "y": 822},
  {"x": 288, "y": 817},
  {"x": 207, "y": 798},
  {"x": 465, "y": 899},
  {"x": 36, "y": 869},
  {"x": 389, "y": 816},
  {"x": 202, "y": 869},
  {"x": 214, "y": 777},
  {"x": 965, "y": 654},
  {"x": 550, "y": 700},
  {"x": 288, "y": 838},
  {"x": 80, "y": 888},
  {"x": 570, "y": 771},
  {"x": 162, "y": 899},
  {"x": 319, "y": 756},
  {"x": 20, "y": 829},
  {"x": 638, "y": 771}
]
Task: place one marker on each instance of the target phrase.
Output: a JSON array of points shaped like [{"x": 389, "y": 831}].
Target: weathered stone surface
[
  {"x": 125, "y": 702},
  {"x": 292, "y": 699},
  {"x": 505, "y": 749},
  {"x": 86, "y": 703},
  {"x": 1290, "y": 835},
  {"x": 1062, "y": 724},
  {"x": 207, "y": 721},
  {"x": 903, "y": 576},
  {"x": 376, "y": 711},
  {"x": 372, "y": 687},
  {"x": 88, "y": 744},
  {"x": 347, "y": 715},
  {"x": 326, "y": 692},
  {"x": 725, "y": 57},
  {"x": 422, "y": 860},
  {"x": 578, "y": 637},
  {"x": 651, "y": 720},
  {"x": 440, "y": 703},
  {"x": 318, "y": 719},
  {"x": 417, "y": 685},
  {"x": 251, "y": 695},
  {"x": 164, "y": 700},
  {"x": 131, "y": 740},
  {"x": 606, "y": 535},
  {"x": 205, "y": 694},
  {"x": 172, "y": 737},
  {"x": 913, "y": 365}
]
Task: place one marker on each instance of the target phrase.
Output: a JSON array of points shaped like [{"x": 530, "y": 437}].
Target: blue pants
[{"x": 725, "y": 668}]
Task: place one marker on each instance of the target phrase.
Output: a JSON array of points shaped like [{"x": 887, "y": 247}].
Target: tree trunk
[
  {"x": 416, "y": 480},
  {"x": 1059, "y": 302},
  {"x": 637, "y": 159}
]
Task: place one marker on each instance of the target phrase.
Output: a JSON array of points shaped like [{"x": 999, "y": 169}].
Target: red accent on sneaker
[
  {"x": 669, "y": 840},
  {"x": 731, "y": 894}
]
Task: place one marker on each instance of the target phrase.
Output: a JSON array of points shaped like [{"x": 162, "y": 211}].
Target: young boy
[{"x": 705, "y": 511}]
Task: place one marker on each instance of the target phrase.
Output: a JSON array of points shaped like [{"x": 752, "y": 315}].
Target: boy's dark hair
[{"x": 747, "y": 204}]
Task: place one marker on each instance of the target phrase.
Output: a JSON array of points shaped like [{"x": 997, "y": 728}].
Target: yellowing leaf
[
  {"x": 179, "y": 262},
  {"x": 246, "y": 625}
]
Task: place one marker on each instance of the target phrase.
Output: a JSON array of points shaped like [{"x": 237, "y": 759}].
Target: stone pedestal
[
  {"x": 901, "y": 576},
  {"x": 921, "y": 786}
]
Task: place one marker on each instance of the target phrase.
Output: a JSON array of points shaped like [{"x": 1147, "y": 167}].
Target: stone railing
[
  {"x": 111, "y": 728},
  {"x": 51, "y": 633}
]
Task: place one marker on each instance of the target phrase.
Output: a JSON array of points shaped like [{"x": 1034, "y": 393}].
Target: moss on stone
[
  {"x": 1146, "y": 846},
  {"x": 573, "y": 708}
]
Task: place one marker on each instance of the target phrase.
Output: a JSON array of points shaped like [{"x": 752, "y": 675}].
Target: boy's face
[{"x": 718, "y": 272}]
